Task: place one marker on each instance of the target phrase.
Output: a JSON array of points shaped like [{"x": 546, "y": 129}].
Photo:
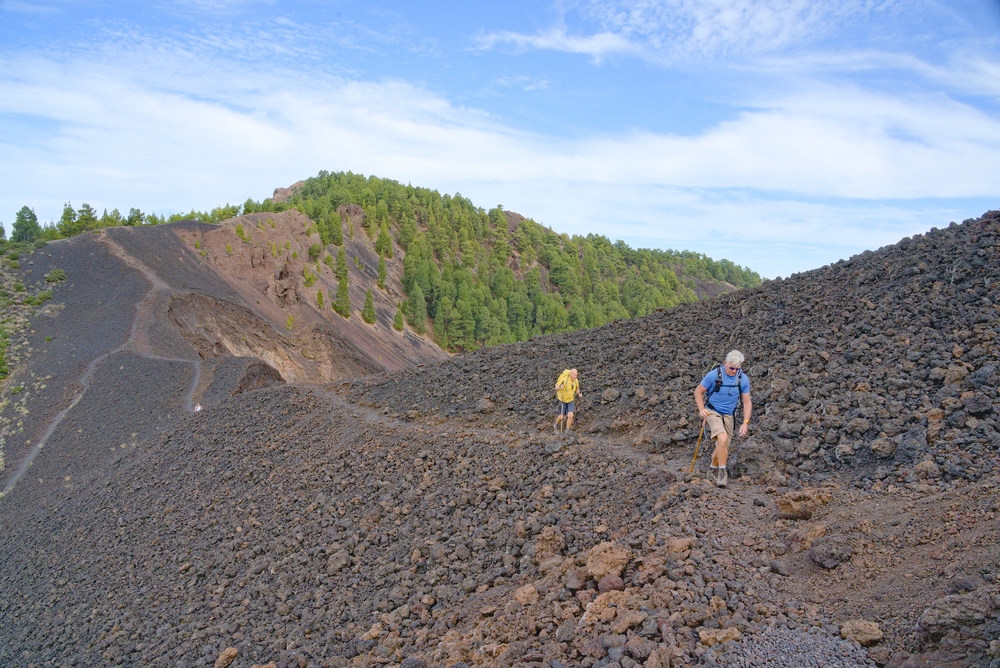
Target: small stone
[
  {"x": 337, "y": 562},
  {"x": 779, "y": 567},
  {"x": 526, "y": 595},
  {"x": 227, "y": 657},
  {"x": 413, "y": 662},
  {"x": 550, "y": 543},
  {"x": 880, "y": 655},
  {"x": 575, "y": 579},
  {"x": 861, "y": 631},
  {"x": 927, "y": 469},
  {"x": 610, "y": 394},
  {"x": 711, "y": 637},
  {"x": 610, "y": 582},
  {"x": 831, "y": 552},
  {"x": 883, "y": 448},
  {"x": 845, "y": 451},
  {"x": 793, "y": 510},
  {"x": 607, "y": 558},
  {"x": 566, "y": 631},
  {"x": 955, "y": 374},
  {"x": 484, "y": 405}
]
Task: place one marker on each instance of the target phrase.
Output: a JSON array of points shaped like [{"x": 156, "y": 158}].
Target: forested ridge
[
  {"x": 473, "y": 277},
  {"x": 480, "y": 277}
]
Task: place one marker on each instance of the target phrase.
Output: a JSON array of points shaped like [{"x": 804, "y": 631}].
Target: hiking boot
[
  {"x": 721, "y": 477},
  {"x": 713, "y": 472},
  {"x": 555, "y": 428}
]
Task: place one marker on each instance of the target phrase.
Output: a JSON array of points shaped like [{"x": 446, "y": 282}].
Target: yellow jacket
[{"x": 566, "y": 387}]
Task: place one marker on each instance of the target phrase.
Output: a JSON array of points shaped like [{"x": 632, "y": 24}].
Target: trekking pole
[{"x": 697, "y": 446}]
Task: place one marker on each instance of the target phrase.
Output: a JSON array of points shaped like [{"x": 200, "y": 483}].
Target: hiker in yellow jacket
[{"x": 567, "y": 390}]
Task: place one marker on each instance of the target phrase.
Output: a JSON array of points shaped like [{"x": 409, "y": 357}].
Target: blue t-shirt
[{"x": 725, "y": 400}]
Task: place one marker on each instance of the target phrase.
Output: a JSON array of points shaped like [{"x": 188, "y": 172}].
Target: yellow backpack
[{"x": 563, "y": 379}]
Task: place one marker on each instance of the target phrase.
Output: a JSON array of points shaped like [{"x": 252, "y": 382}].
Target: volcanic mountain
[{"x": 324, "y": 508}]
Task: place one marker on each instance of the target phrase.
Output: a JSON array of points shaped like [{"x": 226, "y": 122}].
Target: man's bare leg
[
  {"x": 721, "y": 453},
  {"x": 569, "y": 421}
]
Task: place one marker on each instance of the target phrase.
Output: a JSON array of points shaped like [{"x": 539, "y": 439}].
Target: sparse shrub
[
  {"x": 270, "y": 222},
  {"x": 368, "y": 311},
  {"x": 319, "y": 300},
  {"x": 55, "y": 276},
  {"x": 239, "y": 231},
  {"x": 314, "y": 252},
  {"x": 14, "y": 264},
  {"x": 17, "y": 389},
  {"x": 39, "y": 299},
  {"x": 308, "y": 278},
  {"x": 289, "y": 324},
  {"x": 357, "y": 261},
  {"x": 197, "y": 244},
  {"x": 19, "y": 287},
  {"x": 229, "y": 249},
  {"x": 295, "y": 255},
  {"x": 13, "y": 255}
]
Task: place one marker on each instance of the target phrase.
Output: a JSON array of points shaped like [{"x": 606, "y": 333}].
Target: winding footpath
[{"x": 138, "y": 342}]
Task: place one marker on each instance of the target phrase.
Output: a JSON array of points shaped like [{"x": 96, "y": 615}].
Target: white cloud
[
  {"x": 670, "y": 30},
  {"x": 162, "y": 127}
]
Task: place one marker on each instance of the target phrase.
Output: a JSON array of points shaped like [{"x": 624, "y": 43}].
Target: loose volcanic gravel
[
  {"x": 431, "y": 518},
  {"x": 788, "y": 648}
]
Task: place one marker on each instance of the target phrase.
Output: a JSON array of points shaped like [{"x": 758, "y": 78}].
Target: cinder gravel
[{"x": 400, "y": 520}]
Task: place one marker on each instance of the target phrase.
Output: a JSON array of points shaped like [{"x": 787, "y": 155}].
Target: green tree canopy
[{"x": 26, "y": 227}]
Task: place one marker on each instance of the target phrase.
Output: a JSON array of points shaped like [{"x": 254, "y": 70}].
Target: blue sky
[{"x": 781, "y": 134}]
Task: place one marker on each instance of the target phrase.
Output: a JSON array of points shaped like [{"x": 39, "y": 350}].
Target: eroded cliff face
[
  {"x": 266, "y": 259},
  {"x": 217, "y": 328}
]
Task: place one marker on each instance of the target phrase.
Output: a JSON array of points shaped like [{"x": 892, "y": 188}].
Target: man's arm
[
  {"x": 747, "y": 410},
  {"x": 699, "y": 398}
]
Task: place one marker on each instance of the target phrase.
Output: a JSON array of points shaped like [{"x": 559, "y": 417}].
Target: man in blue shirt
[{"x": 717, "y": 397}]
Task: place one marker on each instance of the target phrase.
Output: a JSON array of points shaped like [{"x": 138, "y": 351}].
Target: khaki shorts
[{"x": 720, "y": 423}]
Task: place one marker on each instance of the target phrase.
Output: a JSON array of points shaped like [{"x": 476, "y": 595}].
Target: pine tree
[
  {"x": 383, "y": 245},
  {"x": 337, "y": 230},
  {"x": 418, "y": 309},
  {"x": 342, "y": 305},
  {"x": 319, "y": 300},
  {"x": 397, "y": 322},
  {"x": 383, "y": 273},
  {"x": 26, "y": 226},
  {"x": 67, "y": 222},
  {"x": 368, "y": 312},
  {"x": 341, "y": 271}
]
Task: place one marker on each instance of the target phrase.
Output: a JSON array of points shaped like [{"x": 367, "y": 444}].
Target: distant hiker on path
[
  {"x": 567, "y": 390},
  {"x": 717, "y": 396}
]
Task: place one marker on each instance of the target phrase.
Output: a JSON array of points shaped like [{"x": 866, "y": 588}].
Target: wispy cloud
[
  {"x": 523, "y": 82},
  {"x": 557, "y": 39},
  {"x": 192, "y": 121},
  {"x": 671, "y": 30}
]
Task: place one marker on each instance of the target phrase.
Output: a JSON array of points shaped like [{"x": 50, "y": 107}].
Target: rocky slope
[
  {"x": 871, "y": 365},
  {"x": 430, "y": 518}
]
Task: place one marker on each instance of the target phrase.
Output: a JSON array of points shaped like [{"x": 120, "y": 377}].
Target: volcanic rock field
[{"x": 431, "y": 517}]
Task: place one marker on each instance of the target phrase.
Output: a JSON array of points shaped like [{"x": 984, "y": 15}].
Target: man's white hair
[{"x": 734, "y": 358}]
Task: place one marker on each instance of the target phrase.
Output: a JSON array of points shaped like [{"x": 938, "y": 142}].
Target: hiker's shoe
[
  {"x": 721, "y": 477},
  {"x": 713, "y": 472},
  {"x": 555, "y": 428}
]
